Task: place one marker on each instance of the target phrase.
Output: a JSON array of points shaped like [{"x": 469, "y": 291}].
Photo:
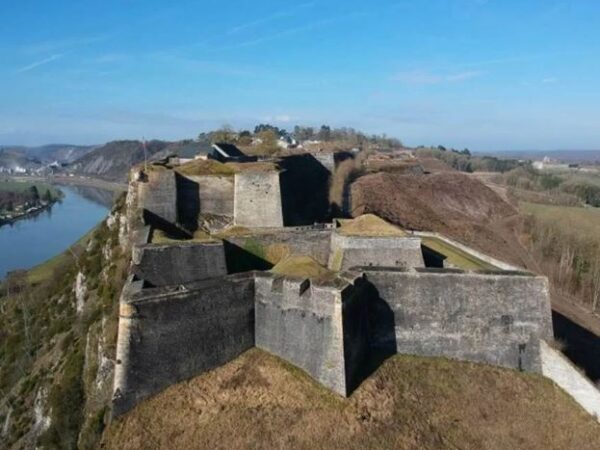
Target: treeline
[
  {"x": 571, "y": 260},
  {"x": 11, "y": 200},
  {"x": 267, "y": 136},
  {"x": 464, "y": 161},
  {"x": 585, "y": 188}
]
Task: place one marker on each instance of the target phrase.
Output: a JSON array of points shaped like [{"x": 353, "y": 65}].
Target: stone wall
[
  {"x": 157, "y": 194},
  {"x": 304, "y": 323},
  {"x": 354, "y": 251},
  {"x": 178, "y": 263},
  {"x": 496, "y": 318},
  {"x": 169, "y": 335},
  {"x": 204, "y": 195},
  {"x": 257, "y": 200}
]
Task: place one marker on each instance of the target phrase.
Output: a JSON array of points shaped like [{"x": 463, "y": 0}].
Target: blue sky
[{"x": 482, "y": 74}]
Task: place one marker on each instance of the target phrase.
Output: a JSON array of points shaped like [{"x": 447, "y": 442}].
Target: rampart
[
  {"x": 257, "y": 199},
  {"x": 351, "y": 251},
  {"x": 496, "y": 317},
  {"x": 168, "y": 335},
  {"x": 174, "y": 264},
  {"x": 320, "y": 328}
]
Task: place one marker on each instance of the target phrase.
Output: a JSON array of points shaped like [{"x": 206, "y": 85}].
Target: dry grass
[
  {"x": 200, "y": 167},
  {"x": 253, "y": 167},
  {"x": 235, "y": 230},
  {"x": 257, "y": 402},
  {"x": 369, "y": 225},
  {"x": 582, "y": 221},
  {"x": 301, "y": 266}
]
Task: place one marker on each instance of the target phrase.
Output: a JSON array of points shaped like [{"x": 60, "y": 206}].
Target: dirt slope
[
  {"x": 257, "y": 401},
  {"x": 451, "y": 203}
]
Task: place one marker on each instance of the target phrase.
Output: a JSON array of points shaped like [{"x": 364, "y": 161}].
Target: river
[{"x": 31, "y": 241}]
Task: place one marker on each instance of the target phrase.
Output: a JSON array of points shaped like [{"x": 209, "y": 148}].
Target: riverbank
[
  {"x": 28, "y": 213},
  {"x": 76, "y": 181},
  {"x": 28, "y": 243}
]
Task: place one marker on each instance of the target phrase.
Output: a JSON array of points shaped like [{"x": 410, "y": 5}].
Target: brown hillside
[
  {"x": 451, "y": 203},
  {"x": 257, "y": 401}
]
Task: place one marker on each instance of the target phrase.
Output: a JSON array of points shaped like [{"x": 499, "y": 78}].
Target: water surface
[{"x": 31, "y": 241}]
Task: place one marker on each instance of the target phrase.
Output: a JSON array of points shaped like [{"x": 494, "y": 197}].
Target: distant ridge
[{"x": 561, "y": 155}]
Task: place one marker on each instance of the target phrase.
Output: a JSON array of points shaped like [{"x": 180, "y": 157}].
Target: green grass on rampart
[{"x": 456, "y": 256}]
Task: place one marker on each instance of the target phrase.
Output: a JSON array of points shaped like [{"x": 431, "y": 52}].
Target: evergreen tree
[{"x": 47, "y": 196}]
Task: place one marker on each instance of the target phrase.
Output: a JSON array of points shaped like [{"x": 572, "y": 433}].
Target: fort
[{"x": 229, "y": 255}]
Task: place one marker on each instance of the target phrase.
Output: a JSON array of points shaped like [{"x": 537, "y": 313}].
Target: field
[
  {"x": 581, "y": 221},
  {"x": 259, "y": 401}
]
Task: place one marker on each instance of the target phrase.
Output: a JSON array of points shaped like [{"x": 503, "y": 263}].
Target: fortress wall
[
  {"x": 158, "y": 194},
  {"x": 174, "y": 264},
  {"x": 354, "y": 251},
  {"x": 268, "y": 245},
  {"x": 303, "y": 324},
  {"x": 206, "y": 195},
  {"x": 486, "y": 317},
  {"x": 257, "y": 200},
  {"x": 168, "y": 336}
]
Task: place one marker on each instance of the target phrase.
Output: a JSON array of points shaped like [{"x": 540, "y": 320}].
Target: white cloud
[
  {"x": 423, "y": 77},
  {"x": 281, "y": 118},
  {"x": 39, "y": 63}
]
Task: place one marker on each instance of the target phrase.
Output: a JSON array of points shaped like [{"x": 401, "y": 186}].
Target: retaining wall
[
  {"x": 166, "y": 336},
  {"x": 257, "y": 200},
  {"x": 174, "y": 264},
  {"x": 497, "y": 318},
  {"x": 319, "y": 328},
  {"x": 353, "y": 251}
]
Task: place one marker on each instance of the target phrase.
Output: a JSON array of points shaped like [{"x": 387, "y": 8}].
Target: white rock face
[
  {"x": 80, "y": 290},
  {"x": 107, "y": 250},
  {"x": 105, "y": 364},
  {"x": 42, "y": 420},
  {"x": 112, "y": 220},
  {"x": 123, "y": 230},
  {"x": 6, "y": 425}
]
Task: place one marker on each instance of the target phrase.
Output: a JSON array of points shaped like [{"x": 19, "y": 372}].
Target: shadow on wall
[
  {"x": 581, "y": 346},
  {"x": 188, "y": 202},
  {"x": 243, "y": 259},
  {"x": 157, "y": 222},
  {"x": 304, "y": 190},
  {"x": 379, "y": 328}
]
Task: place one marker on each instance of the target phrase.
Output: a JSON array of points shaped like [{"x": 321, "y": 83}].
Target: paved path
[{"x": 559, "y": 369}]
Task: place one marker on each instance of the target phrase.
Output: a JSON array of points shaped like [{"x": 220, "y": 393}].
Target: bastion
[{"x": 329, "y": 298}]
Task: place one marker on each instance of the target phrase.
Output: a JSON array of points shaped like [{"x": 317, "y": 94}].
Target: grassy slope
[
  {"x": 583, "y": 221},
  {"x": 258, "y": 401}
]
